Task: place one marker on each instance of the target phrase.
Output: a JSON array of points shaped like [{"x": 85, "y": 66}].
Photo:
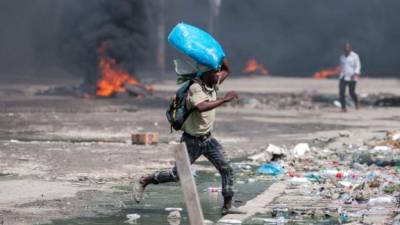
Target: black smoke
[
  {"x": 65, "y": 34},
  {"x": 124, "y": 25},
  {"x": 290, "y": 37}
]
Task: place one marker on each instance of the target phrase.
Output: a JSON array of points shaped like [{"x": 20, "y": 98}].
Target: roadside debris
[
  {"x": 352, "y": 184},
  {"x": 148, "y": 138},
  {"x": 313, "y": 100},
  {"x": 229, "y": 221},
  {"x": 301, "y": 149},
  {"x": 132, "y": 218},
  {"x": 271, "y": 153},
  {"x": 388, "y": 100},
  {"x": 213, "y": 189},
  {"x": 174, "y": 217},
  {"x": 273, "y": 169}
]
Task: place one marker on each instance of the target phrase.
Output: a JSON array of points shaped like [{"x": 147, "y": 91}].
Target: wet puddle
[{"x": 159, "y": 197}]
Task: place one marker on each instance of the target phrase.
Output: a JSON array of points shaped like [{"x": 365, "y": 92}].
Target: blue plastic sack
[
  {"x": 270, "y": 169},
  {"x": 197, "y": 44}
]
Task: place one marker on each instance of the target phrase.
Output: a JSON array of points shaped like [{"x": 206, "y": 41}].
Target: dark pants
[
  {"x": 213, "y": 151},
  {"x": 352, "y": 90}
]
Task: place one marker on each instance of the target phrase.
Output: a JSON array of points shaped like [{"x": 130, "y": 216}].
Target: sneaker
[
  {"x": 138, "y": 190},
  {"x": 232, "y": 210}
]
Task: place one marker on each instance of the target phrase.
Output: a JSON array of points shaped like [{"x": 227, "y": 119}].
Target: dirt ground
[{"x": 60, "y": 154}]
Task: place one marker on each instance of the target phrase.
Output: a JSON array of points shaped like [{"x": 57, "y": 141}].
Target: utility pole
[
  {"x": 161, "y": 38},
  {"x": 214, "y": 6}
]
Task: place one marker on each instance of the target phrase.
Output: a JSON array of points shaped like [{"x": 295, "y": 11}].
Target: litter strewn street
[
  {"x": 73, "y": 156},
  {"x": 187, "y": 112}
]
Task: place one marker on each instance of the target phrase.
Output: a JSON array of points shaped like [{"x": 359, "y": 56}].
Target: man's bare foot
[
  {"x": 139, "y": 186},
  {"x": 344, "y": 110},
  {"x": 138, "y": 190}
]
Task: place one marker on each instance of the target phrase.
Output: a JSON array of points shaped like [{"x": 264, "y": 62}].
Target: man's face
[
  {"x": 347, "y": 48},
  {"x": 212, "y": 77}
]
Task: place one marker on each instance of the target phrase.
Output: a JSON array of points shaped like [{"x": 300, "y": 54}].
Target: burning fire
[
  {"x": 252, "y": 66},
  {"x": 323, "y": 74},
  {"x": 113, "y": 77}
]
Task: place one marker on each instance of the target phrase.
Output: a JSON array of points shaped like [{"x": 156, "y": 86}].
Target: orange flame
[
  {"x": 113, "y": 77},
  {"x": 323, "y": 74},
  {"x": 252, "y": 66}
]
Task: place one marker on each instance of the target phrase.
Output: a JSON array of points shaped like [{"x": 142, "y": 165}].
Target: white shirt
[{"x": 349, "y": 66}]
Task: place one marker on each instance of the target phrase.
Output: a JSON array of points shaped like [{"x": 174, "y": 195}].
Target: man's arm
[
  {"x": 209, "y": 105},
  {"x": 224, "y": 73}
]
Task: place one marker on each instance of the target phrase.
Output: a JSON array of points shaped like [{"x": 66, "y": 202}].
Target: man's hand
[
  {"x": 209, "y": 105},
  {"x": 231, "y": 95},
  {"x": 355, "y": 76}
]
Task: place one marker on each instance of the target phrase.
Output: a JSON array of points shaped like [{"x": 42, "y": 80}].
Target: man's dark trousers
[
  {"x": 352, "y": 91},
  {"x": 213, "y": 151}
]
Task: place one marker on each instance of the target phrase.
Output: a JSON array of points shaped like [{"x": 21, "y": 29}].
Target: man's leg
[
  {"x": 167, "y": 176},
  {"x": 342, "y": 89},
  {"x": 194, "y": 150},
  {"x": 216, "y": 155},
  {"x": 352, "y": 91}
]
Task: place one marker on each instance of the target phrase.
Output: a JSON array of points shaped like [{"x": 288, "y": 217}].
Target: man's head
[
  {"x": 208, "y": 75},
  {"x": 211, "y": 77},
  {"x": 347, "y": 48}
]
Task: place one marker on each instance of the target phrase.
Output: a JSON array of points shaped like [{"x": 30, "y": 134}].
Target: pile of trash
[
  {"x": 377, "y": 100},
  {"x": 276, "y": 101},
  {"x": 312, "y": 100},
  {"x": 358, "y": 182}
]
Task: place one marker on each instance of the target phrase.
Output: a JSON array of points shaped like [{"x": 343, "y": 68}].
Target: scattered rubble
[
  {"x": 272, "y": 169},
  {"x": 147, "y": 138},
  {"x": 174, "y": 217},
  {"x": 271, "y": 153},
  {"x": 132, "y": 218},
  {"x": 355, "y": 184},
  {"x": 301, "y": 149},
  {"x": 313, "y": 100}
]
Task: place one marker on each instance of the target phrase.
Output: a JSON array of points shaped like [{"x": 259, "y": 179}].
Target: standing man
[
  {"x": 202, "y": 99},
  {"x": 350, "y": 67}
]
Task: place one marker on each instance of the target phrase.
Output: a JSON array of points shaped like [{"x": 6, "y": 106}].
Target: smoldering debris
[
  {"x": 90, "y": 33},
  {"x": 312, "y": 100},
  {"x": 67, "y": 90},
  {"x": 388, "y": 100}
]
